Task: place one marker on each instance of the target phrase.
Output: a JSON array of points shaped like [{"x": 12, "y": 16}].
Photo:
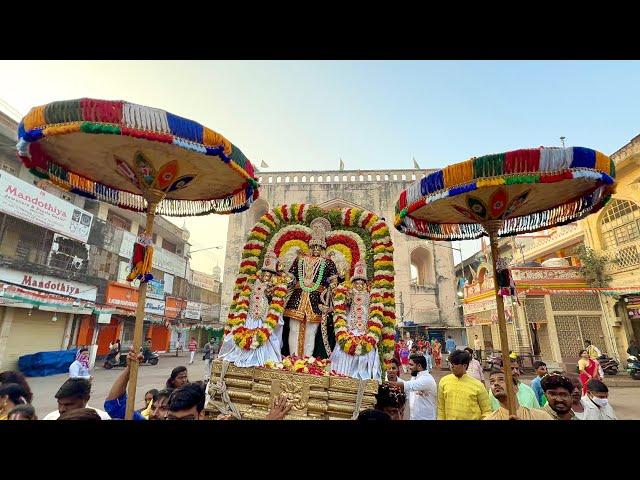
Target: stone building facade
[{"x": 427, "y": 299}]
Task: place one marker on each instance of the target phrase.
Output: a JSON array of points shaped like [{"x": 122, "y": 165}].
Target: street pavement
[{"x": 624, "y": 399}]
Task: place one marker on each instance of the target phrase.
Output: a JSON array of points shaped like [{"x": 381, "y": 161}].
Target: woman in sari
[
  {"x": 436, "y": 352},
  {"x": 404, "y": 356},
  {"x": 588, "y": 369}
]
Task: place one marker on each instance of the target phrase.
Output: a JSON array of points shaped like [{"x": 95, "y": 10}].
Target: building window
[
  {"x": 170, "y": 247},
  {"x": 118, "y": 221},
  {"x": 421, "y": 267},
  {"x": 620, "y": 224}
]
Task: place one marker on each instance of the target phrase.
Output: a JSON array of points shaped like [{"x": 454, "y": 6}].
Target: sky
[{"x": 296, "y": 115}]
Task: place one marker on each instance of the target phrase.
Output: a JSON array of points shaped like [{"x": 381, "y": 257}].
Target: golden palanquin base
[{"x": 254, "y": 389}]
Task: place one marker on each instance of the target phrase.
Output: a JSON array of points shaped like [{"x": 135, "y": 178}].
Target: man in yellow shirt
[
  {"x": 499, "y": 390},
  {"x": 461, "y": 397}
]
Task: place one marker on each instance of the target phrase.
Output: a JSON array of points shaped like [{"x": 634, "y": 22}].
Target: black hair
[
  {"x": 83, "y": 349},
  {"x": 448, "y": 336},
  {"x": 372, "y": 414},
  {"x": 469, "y": 350},
  {"x": 595, "y": 385},
  {"x": 581, "y": 352},
  {"x": 186, "y": 397},
  {"x": 389, "y": 397},
  {"x": 556, "y": 381},
  {"x": 15, "y": 392},
  {"x": 80, "y": 414},
  {"x": 164, "y": 393},
  {"x": 153, "y": 392},
  {"x": 420, "y": 360},
  {"x": 74, "y": 387},
  {"x": 588, "y": 341},
  {"x": 20, "y": 379},
  {"x": 537, "y": 364},
  {"x": 460, "y": 357},
  {"x": 25, "y": 410},
  {"x": 396, "y": 362},
  {"x": 174, "y": 373}
]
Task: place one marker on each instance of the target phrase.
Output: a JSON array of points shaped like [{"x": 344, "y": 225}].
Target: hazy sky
[{"x": 296, "y": 115}]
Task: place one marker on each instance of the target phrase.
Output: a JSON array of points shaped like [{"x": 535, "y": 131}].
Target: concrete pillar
[
  {"x": 608, "y": 319},
  {"x": 93, "y": 348},
  {"x": 6, "y": 313},
  {"x": 103, "y": 211},
  {"x": 66, "y": 339},
  {"x": 553, "y": 333},
  {"x": 522, "y": 327}
]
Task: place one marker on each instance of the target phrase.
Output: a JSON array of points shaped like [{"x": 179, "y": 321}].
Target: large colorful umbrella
[
  {"x": 506, "y": 194},
  {"x": 139, "y": 158}
]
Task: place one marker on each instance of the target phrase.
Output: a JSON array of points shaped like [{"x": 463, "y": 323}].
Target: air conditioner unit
[{"x": 77, "y": 263}]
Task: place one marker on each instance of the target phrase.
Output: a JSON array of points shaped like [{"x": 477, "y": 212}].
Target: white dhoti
[{"x": 253, "y": 357}]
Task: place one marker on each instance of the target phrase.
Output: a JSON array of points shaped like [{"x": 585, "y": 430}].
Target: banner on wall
[{"x": 27, "y": 202}]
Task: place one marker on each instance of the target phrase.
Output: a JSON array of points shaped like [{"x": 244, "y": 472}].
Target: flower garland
[
  {"x": 375, "y": 235},
  {"x": 309, "y": 365},
  {"x": 357, "y": 344},
  {"x": 318, "y": 273},
  {"x": 252, "y": 338}
]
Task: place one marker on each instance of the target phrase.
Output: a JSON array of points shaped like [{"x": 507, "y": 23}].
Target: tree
[{"x": 593, "y": 267}]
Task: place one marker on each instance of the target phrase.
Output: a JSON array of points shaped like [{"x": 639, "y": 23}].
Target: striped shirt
[{"x": 463, "y": 398}]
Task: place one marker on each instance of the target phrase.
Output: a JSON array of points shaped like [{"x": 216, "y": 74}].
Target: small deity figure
[
  {"x": 364, "y": 367},
  {"x": 259, "y": 302}
]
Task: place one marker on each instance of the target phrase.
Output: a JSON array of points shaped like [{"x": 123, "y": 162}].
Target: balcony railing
[
  {"x": 527, "y": 275},
  {"x": 428, "y": 288},
  {"x": 560, "y": 235},
  {"x": 623, "y": 257}
]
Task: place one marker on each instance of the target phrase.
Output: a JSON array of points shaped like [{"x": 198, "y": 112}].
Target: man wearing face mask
[
  {"x": 596, "y": 402},
  {"x": 422, "y": 389}
]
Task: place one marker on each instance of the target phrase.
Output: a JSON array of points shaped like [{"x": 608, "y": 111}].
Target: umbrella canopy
[
  {"x": 505, "y": 194},
  {"x": 116, "y": 151},
  {"x": 528, "y": 190}
]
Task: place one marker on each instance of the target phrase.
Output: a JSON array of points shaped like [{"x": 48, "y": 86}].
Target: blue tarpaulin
[{"x": 43, "y": 364}]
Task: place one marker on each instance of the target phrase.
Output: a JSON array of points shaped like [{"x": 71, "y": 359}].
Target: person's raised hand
[
  {"x": 281, "y": 407},
  {"x": 133, "y": 357}
]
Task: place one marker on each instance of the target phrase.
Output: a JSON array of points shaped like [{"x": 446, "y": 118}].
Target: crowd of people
[
  {"x": 179, "y": 399},
  {"x": 464, "y": 394}
]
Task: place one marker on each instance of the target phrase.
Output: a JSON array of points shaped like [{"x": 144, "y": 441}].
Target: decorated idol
[
  {"x": 233, "y": 349},
  {"x": 311, "y": 275},
  {"x": 367, "y": 365}
]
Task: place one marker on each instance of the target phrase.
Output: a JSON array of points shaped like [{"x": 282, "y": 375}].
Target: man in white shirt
[
  {"x": 477, "y": 347},
  {"x": 596, "y": 402},
  {"x": 422, "y": 389},
  {"x": 74, "y": 394}
]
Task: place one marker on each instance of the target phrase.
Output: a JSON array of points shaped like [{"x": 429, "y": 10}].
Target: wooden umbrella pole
[
  {"x": 153, "y": 198},
  {"x": 492, "y": 229}
]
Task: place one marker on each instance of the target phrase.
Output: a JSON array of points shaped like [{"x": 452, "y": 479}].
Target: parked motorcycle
[
  {"x": 495, "y": 361},
  {"x": 633, "y": 367},
  {"x": 111, "y": 362},
  {"x": 609, "y": 365},
  {"x": 149, "y": 357}
]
